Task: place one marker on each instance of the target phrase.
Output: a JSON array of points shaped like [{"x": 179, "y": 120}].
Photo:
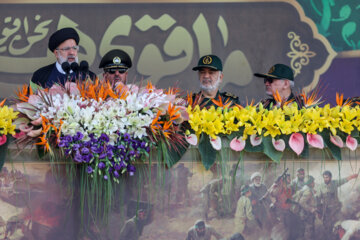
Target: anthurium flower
[
  {"x": 25, "y": 128},
  {"x": 296, "y": 142},
  {"x": 279, "y": 144},
  {"x": 216, "y": 143},
  {"x": 315, "y": 140},
  {"x": 351, "y": 143},
  {"x": 34, "y": 133},
  {"x": 2, "y": 139},
  {"x": 336, "y": 140},
  {"x": 237, "y": 144},
  {"x": 255, "y": 140},
  {"x": 37, "y": 122},
  {"x": 72, "y": 88},
  {"x": 192, "y": 139}
]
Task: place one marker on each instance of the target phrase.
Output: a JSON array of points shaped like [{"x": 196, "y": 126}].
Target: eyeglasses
[
  {"x": 113, "y": 70},
  {"x": 269, "y": 80},
  {"x": 66, "y": 49}
]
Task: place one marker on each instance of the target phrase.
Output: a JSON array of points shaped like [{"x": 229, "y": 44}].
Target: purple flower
[
  {"x": 117, "y": 167},
  {"x": 105, "y": 177},
  {"x": 121, "y": 147},
  {"x": 131, "y": 153},
  {"x": 126, "y": 137},
  {"x": 131, "y": 169},
  {"x": 78, "y": 157},
  {"x": 104, "y": 137},
  {"x": 78, "y": 136},
  {"x": 85, "y": 151},
  {"x": 76, "y": 146},
  {"x": 147, "y": 149},
  {"x": 110, "y": 154},
  {"x": 88, "y": 144},
  {"x": 122, "y": 164},
  {"x": 62, "y": 143},
  {"x": 143, "y": 144},
  {"x": 116, "y": 174},
  {"x": 97, "y": 150},
  {"x": 102, "y": 155},
  {"x": 68, "y": 138},
  {"x": 67, "y": 152},
  {"x": 101, "y": 165},
  {"x": 89, "y": 169},
  {"x": 86, "y": 158}
]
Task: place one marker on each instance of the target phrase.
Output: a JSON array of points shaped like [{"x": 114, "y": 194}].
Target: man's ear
[{"x": 221, "y": 77}]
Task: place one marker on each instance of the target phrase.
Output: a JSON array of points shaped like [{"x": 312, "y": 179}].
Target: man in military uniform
[
  {"x": 211, "y": 193},
  {"x": 329, "y": 201},
  {"x": 298, "y": 183},
  {"x": 133, "y": 227},
  {"x": 210, "y": 77},
  {"x": 64, "y": 44},
  {"x": 305, "y": 207},
  {"x": 115, "y": 64},
  {"x": 279, "y": 79},
  {"x": 258, "y": 190},
  {"x": 202, "y": 231},
  {"x": 182, "y": 191},
  {"x": 244, "y": 211}
]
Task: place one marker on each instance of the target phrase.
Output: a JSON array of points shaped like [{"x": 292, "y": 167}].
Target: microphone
[
  {"x": 74, "y": 66},
  {"x": 84, "y": 68},
  {"x": 66, "y": 67}
]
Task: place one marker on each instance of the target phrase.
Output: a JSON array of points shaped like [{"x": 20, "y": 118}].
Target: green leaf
[
  {"x": 3, "y": 152},
  {"x": 251, "y": 148},
  {"x": 207, "y": 152},
  {"x": 270, "y": 151},
  {"x": 335, "y": 150},
  {"x": 174, "y": 155}
]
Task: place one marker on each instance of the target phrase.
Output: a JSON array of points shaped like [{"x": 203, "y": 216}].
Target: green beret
[{"x": 61, "y": 36}]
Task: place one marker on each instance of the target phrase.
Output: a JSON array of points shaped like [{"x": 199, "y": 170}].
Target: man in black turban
[{"x": 64, "y": 44}]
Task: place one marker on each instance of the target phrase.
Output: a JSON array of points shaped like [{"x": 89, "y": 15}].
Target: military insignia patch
[
  {"x": 207, "y": 60},
  {"x": 272, "y": 69},
  {"x": 116, "y": 60}
]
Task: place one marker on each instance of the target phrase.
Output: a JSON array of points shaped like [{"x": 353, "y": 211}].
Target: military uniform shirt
[{"x": 328, "y": 193}]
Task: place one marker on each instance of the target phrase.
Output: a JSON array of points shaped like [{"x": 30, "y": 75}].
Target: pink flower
[
  {"x": 56, "y": 89},
  {"x": 315, "y": 140},
  {"x": 37, "y": 122},
  {"x": 19, "y": 135},
  {"x": 279, "y": 144},
  {"x": 255, "y": 140},
  {"x": 25, "y": 128},
  {"x": 336, "y": 140},
  {"x": 351, "y": 143},
  {"x": 216, "y": 143},
  {"x": 183, "y": 113},
  {"x": 192, "y": 139},
  {"x": 34, "y": 133},
  {"x": 296, "y": 142},
  {"x": 237, "y": 144},
  {"x": 72, "y": 88},
  {"x": 2, "y": 140}
]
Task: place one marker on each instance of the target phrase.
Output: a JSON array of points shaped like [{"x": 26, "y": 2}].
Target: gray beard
[{"x": 210, "y": 89}]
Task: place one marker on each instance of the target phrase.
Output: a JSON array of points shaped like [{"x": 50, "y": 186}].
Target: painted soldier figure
[
  {"x": 258, "y": 190},
  {"x": 133, "y": 227},
  {"x": 202, "y": 231},
  {"x": 306, "y": 206},
  {"x": 244, "y": 211},
  {"x": 182, "y": 191},
  {"x": 298, "y": 183},
  {"x": 210, "y": 77},
  {"x": 330, "y": 205}
]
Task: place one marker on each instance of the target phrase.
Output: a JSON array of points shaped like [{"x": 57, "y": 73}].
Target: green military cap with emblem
[
  {"x": 278, "y": 71},
  {"x": 209, "y": 61},
  {"x": 116, "y": 59}
]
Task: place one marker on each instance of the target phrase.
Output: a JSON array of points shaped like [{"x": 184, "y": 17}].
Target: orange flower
[
  {"x": 24, "y": 92},
  {"x": 340, "y": 100},
  {"x": 2, "y": 103},
  {"x": 221, "y": 104}
]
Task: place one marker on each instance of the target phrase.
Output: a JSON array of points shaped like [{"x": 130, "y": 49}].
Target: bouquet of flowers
[
  {"x": 7, "y": 116},
  {"x": 103, "y": 129}
]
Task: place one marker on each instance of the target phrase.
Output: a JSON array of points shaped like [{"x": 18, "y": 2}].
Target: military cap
[
  {"x": 199, "y": 224},
  {"x": 245, "y": 189},
  {"x": 62, "y": 35},
  {"x": 278, "y": 71},
  {"x": 209, "y": 61},
  {"x": 116, "y": 59},
  {"x": 254, "y": 175},
  {"x": 310, "y": 180}
]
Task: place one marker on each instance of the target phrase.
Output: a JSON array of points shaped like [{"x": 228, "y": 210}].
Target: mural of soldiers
[
  {"x": 305, "y": 207},
  {"x": 258, "y": 190},
  {"x": 298, "y": 182},
  {"x": 211, "y": 193},
  {"x": 182, "y": 191},
  {"x": 330, "y": 205},
  {"x": 133, "y": 227},
  {"x": 202, "y": 231},
  {"x": 244, "y": 211}
]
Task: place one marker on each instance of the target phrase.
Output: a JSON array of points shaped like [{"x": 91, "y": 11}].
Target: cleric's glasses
[{"x": 66, "y": 49}]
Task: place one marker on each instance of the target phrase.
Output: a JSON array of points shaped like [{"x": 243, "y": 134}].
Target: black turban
[{"x": 62, "y": 35}]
